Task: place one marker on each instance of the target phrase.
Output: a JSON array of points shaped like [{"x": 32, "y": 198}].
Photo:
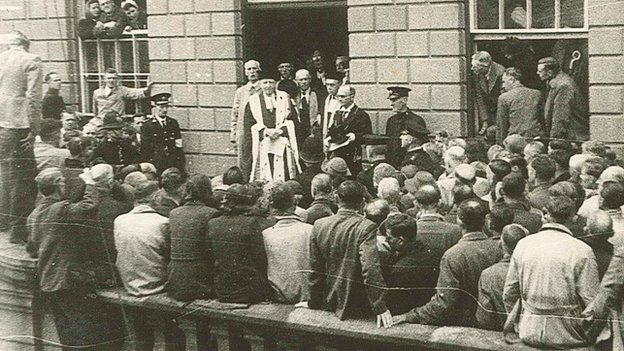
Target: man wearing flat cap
[
  {"x": 412, "y": 140},
  {"x": 565, "y": 112},
  {"x": 161, "y": 140},
  {"x": 114, "y": 149},
  {"x": 402, "y": 120}
]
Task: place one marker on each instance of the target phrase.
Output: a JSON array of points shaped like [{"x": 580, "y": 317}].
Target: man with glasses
[
  {"x": 402, "y": 120},
  {"x": 346, "y": 136}
]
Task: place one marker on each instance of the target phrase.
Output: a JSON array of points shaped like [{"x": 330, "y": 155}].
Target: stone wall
[
  {"x": 417, "y": 43},
  {"x": 606, "y": 76},
  {"x": 196, "y": 54},
  {"x": 50, "y": 25}
]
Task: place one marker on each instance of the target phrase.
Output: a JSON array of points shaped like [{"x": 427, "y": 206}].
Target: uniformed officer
[
  {"x": 412, "y": 139},
  {"x": 402, "y": 120},
  {"x": 161, "y": 140}
]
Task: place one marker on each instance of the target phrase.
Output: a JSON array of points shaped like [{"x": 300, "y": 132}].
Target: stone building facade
[{"x": 197, "y": 48}]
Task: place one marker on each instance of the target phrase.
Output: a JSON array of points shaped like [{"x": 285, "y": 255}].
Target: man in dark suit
[
  {"x": 412, "y": 139},
  {"x": 307, "y": 105},
  {"x": 346, "y": 275},
  {"x": 161, "y": 140},
  {"x": 403, "y": 119},
  {"x": 488, "y": 80},
  {"x": 347, "y": 134}
]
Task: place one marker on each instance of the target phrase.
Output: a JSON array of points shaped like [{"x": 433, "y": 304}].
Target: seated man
[
  {"x": 491, "y": 309},
  {"x": 287, "y": 245},
  {"x": 47, "y": 151},
  {"x": 322, "y": 206},
  {"x": 552, "y": 277},
  {"x": 344, "y": 263},
  {"x": 460, "y": 269},
  {"x": 411, "y": 269},
  {"x": 172, "y": 192},
  {"x": 142, "y": 243}
]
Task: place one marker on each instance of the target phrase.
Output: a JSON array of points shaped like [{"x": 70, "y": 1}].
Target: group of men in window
[{"x": 106, "y": 19}]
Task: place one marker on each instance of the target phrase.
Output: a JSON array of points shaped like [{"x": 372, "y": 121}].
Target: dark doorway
[{"x": 277, "y": 34}]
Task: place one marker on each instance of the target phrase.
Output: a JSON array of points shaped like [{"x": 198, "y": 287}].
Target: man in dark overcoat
[
  {"x": 161, "y": 140},
  {"x": 345, "y": 274},
  {"x": 346, "y": 136},
  {"x": 402, "y": 119}
]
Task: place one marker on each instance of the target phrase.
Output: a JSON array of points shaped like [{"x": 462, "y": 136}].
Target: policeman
[
  {"x": 161, "y": 140},
  {"x": 411, "y": 140},
  {"x": 402, "y": 120}
]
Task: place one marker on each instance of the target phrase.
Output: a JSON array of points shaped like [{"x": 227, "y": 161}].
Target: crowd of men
[
  {"x": 106, "y": 19},
  {"x": 431, "y": 229}
]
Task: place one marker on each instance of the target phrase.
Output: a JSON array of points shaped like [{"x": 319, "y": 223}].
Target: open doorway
[{"x": 278, "y": 34}]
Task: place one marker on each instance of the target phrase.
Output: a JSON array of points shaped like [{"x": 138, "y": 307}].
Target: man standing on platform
[
  {"x": 20, "y": 114},
  {"x": 53, "y": 104},
  {"x": 403, "y": 119},
  {"x": 307, "y": 104},
  {"x": 112, "y": 96},
  {"x": 346, "y": 136},
  {"x": 252, "y": 69},
  {"x": 411, "y": 141},
  {"x": 566, "y": 111},
  {"x": 331, "y": 104},
  {"x": 488, "y": 81},
  {"x": 269, "y": 135},
  {"x": 161, "y": 140}
]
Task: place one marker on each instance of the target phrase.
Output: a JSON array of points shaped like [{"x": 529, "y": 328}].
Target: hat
[
  {"x": 465, "y": 172},
  {"x": 416, "y": 127},
  {"x": 312, "y": 150},
  {"x": 110, "y": 121},
  {"x": 242, "y": 194},
  {"x": 147, "y": 167},
  {"x": 161, "y": 99},
  {"x": 333, "y": 75},
  {"x": 515, "y": 143},
  {"x": 336, "y": 167},
  {"x": 397, "y": 92},
  {"x": 49, "y": 176},
  {"x": 49, "y": 126},
  {"x": 126, "y": 3},
  {"x": 336, "y": 136}
]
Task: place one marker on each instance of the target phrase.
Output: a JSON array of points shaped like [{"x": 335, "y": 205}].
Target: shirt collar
[
  {"x": 419, "y": 147},
  {"x": 431, "y": 217},
  {"x": 473, "y": 236},
  {"x": 556, "y": 226},
  {"x": 348, "y": 212},
  {"x": 348, "y": 109},
  {"x": 142, "y": 208}
]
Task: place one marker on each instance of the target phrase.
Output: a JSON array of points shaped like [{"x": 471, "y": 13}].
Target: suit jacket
[
  {"x": 394, "y": 126},
  {"x": 488, "y": 89},
  {"x": 320, "y": 208},
  {"x": 460, "y": 268},
  {"x": 566, "y": 111},
  {"x": 519, "y": 112},
  {"x": 20, "y": 89},
  {"x": 359, "y": 123},
  {"x": 302, "y": 130},
  {"x": 345, "y": 276},
  {"x": 162, "y": 146},
  {"x": 437, "y": 234},
  {"x": 491, "y": 312}
]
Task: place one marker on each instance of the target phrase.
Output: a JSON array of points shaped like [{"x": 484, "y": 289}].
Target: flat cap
[{"x": 397, "y": 92}]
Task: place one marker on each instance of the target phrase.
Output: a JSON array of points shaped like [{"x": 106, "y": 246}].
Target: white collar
[{"x": 348, "y": 109}]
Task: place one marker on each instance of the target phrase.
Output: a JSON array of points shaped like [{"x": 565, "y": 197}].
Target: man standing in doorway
[
  {"x": 402, "y": 120},
  {"x": 252, "y": 69},
  {"x": 20, "y": 114},
  {"x": 488, "y": 81},
  {"x": 519, "y": 108},
  {"x": 331, "y": 103},
  {"x": 307, "y": 105},
  {"x": 566, "y": 111},
  {"x": 285, "y": 70}
]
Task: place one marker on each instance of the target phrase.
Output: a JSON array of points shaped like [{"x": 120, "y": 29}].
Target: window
[
  {"x": 129, "y": 55},
  {"x": 528, "y": 16}
]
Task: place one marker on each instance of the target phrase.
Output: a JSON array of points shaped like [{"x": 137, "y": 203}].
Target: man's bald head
[
  {"x": 428, "y": 196},
  {"x": 389, "y": 190},
  {"x": 599, "y": 224},
  {"x": 321, "y": 185}
]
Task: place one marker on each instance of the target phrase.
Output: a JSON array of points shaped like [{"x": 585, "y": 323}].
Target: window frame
[
  {"x": 527, "y": 32},
  {"x": 136, "y": 76}
]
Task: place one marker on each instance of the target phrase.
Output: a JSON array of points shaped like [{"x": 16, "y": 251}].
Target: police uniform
[
  {"x": 398, "y": 123},
  {"x": 161, "y": 140}
]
